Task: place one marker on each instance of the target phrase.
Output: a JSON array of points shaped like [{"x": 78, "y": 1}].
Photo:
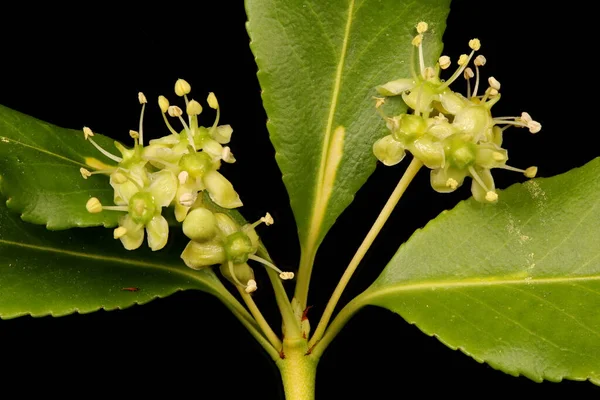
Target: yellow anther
[
  {"x": 417, "y": 40},
  {"x": 142, "y": 98},
  {"x": 187, "y": 199},
  {"x": 286, "y": 275},
  {"x": 494, "y": 84},
  {"x": 175, "y": 111},
  {"x": 444, "y": 62},
  {"x": 451, "y": 183},
  {"x": 531, "y": 172},
  {"x": 227, "y": 155},
  {"x": 182, "y": 87},
  {"x": 474, "y": 44},
  {"x": 534, "y": 126},
  {"x": 85, "y": 173},
  {"x": 93, "y": 205},
  {"x": 468, "y": 74},
  {"x": 480, "y": 61},
  {"x": 212, "y": 101},
  {"x": 491, "y": 196},
  {"x": 463, "y": 59},
  {"x": 429, "y": 73},
  {"x": 422, "y": 27},
  {"x": 134, "y": 134},
  {"x": 163, "y": 103},
  {"x": 119, "y": 178},
  {"x": 268, "y": 219},
  {"x": 183, "y": 177},
  {"x": 193, "y": 108},
  {"x": 87, "y": 132},
  {"x": 251, "y": 286},
  {"x": 498, "y": 156},
  {"x": 379, "y": 101},
  {"x": 119, "y": 232}
]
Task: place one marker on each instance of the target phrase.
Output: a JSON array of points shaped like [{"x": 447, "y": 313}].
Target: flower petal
[
  {"x": 222, "y": 134},
  {"x": 135, "y": 233},
  {"x": 163, "y": 187},
  {"x": 394, "y": 88},
  {"x": 221, "y": 191},
  {"x": 158, "y": 232}
]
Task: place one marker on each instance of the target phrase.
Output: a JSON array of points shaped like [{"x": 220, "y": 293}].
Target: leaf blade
[
  {"x": 341, "y": 50},
  {"x": 59, "y": 273},
  {"x": 522, "y": 299},
  {"x": 39, "y": 173}
]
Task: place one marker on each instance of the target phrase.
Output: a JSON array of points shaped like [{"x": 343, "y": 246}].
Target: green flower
[{"x": 453, "y": 135}]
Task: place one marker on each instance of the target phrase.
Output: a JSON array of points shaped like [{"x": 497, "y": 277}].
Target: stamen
[
  {"x": 267, "y": 220},
  {"x": 187, "y": 199},
  {"x": 182, "y": 87},
  {"x": 422, "y": 27},
  {"x": 251, "y": 287},
  {"x": 116, "y": 208},
  {"x": 218, "y": 116},
  {"x": 85, "y": 173},
  {"x": 444, "y": 62},
  {"x": 212, "y": 101},
  {"x": 143, "y": 102},
  {"x": 232, "y": 272},
  {"x": 175, "y": 111},
  {"x": 421, "y": 58},
  {"x": 429, "y": 73},
  {"x": 169, "y": 125},
  {"x": 463, "y": 61},
  {"x": 475, "y": 44},
  {"x": 93, "y": 205},
  {"x": 193, "y": 108},
  {"x": 163, "y": 103},
  {"x": 87, "y": 134},
  {"x": 490, "y": 195},
  {"x": 534, "y": 126},
  {"x": 163, "y": 162},
  {"x": 530, "y": 172},
  {"x": 119, "y": 232},
  {"x": 494, "y": 83},
  {"x": 227, "y": 155},
  {"x": 451, "y": 183},
  {"x": 379, "y": 101},
  {"x": 183, "y": 177},
  {"x": 468, "y": 74},
  {"x": 282, "y": 274}
]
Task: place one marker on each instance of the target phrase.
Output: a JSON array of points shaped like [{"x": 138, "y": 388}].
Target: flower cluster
[
  {"x": 453, "y": 135},
  {"x": 173, "y": 171}
]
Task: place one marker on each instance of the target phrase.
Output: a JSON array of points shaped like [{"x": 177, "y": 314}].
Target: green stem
[
  {"x": 307, "y": 260},
  {"x": 406, "y": 179},
  {"x": 262, "y": 322},
  {"x": 246, "y": 319},
  {"x": 292, "y": 328},
  {"x": 298, "y": 370}
]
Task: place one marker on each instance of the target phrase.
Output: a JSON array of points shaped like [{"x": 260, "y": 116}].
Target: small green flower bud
[
  {"x": 198, "y": 255},
  {"x": 461, "y": 151},
  {"x": 474, "y": 120},
  {"x": 182, "y": 87},
  {"x": 221, "y": 191},
  {"x": 196, "y": 164},
  {"x": 394, "y": 88},
  {"x": 243, "y": 273},
  {"x": 225, "y": 224},
  {"x": 428, "y": 150},
  {"x": 409, "y": 127},
  {"x": 388, "y": 150},
  {"x": 238, "y": 247},
  {"x": 163, "y": 103},
  {"x": 200, "y": 225},
  {"x": 424, "y": 93},
  {"x": 142, "y": 207}
]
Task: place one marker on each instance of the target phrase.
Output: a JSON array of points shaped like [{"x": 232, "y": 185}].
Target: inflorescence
[
  {"x": 453, "y": 135},
  {"x": 174, "y": 171}
]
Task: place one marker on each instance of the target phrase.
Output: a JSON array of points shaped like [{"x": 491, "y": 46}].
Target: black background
[{"x": 84, "y": 66}]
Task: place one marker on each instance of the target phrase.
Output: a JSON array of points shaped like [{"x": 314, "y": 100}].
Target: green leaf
[
  {"x": 39, "y": 172},
  {"x": 516, "y": 285},
  {"x": 84, "y": 270},
  {"x": 319, "y": 62}
]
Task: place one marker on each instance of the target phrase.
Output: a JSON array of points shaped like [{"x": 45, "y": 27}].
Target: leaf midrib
[
  {"x": 482, "y": 282},
  {"x": 118, "y": 260},
  {"x": 320, "y": 203},
  {"x": 9, "y": 140}
]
